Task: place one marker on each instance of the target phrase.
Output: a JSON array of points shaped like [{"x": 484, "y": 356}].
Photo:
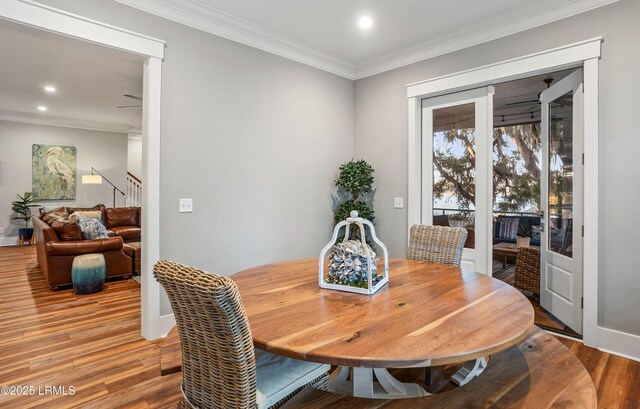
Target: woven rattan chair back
[
  {"x": 218, "y": 359},
  {"x": 440, "y": 244},
  {"x": 527, "y": 272}
]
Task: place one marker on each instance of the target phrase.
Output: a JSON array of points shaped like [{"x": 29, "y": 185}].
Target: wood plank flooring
[
  {"x": 543, "y": 318},
  {"x": 93, "y": 343},
  {"x": 89, "y": 342}
]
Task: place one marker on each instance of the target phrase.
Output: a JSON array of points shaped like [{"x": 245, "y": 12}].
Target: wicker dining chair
[
  {"x": 527, "y": 272},
  {"x": 220, "y": 368},
  {"x": 440, "y": 244}
]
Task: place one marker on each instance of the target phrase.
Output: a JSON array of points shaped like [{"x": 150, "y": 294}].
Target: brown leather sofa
[{"x": 59, "y": 240}]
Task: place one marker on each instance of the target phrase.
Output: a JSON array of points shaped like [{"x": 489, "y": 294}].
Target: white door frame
[
  {"x": 47, "y": 18},
  {"x": 479, "y": 258},
  {"x": 585, "y": 54}
]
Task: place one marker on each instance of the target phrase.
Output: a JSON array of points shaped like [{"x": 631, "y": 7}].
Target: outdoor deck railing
[{"x": 438, "y": 211}]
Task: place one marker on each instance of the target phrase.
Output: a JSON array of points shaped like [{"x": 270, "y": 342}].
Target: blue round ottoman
[{"x": 88, "y": 273}]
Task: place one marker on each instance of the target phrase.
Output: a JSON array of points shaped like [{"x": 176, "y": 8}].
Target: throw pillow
[
  {"x": 92, "y": 228},
  {"x": 506, "y": 228},
  {"x": 535, "y": 233},
  {"x": 89, "y": 214},
  {"x": 99, "y": 207}
]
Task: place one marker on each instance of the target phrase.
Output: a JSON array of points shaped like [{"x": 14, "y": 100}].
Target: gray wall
[
  {"x": 105, "y": 151},
  {"x": 381, "y": 138},
  {"x": 253, "y": 138},
  {"x": 134, "y": 156}
]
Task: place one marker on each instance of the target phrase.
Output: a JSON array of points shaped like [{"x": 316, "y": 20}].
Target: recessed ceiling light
[
  {"x": 42, "y": 108},
  {"x": 365, "y": 22},
  {"x": 50, "y": 88}
]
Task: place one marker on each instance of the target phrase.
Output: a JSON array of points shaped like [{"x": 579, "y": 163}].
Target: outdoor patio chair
[
  {"x": 220, "y": 368},
  {"x": 527, "y": 272},
  {"x": 440, "y": 244}
]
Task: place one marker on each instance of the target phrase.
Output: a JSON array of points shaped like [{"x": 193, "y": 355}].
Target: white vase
[{"x": 522, "y": 241}]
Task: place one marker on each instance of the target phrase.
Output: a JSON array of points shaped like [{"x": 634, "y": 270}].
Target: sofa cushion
[
  {"x": 66, "y": 229},
  {"x": 441, "y": 220},
  {"x": 277, "y": 376},
  {"x": 92, "y": 229},
  {"x": 122, "y": 216},
  {"x": 127, "y": 232},
  {"x": 69, "y": 248}
]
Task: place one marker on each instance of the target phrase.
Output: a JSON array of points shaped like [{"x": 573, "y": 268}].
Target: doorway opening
[
  {"x": 521, "y": 162},
  {"x": 518, "y": 198},
  {"x": 584, "y": 55},
  {"x": 151, "y": 51}
]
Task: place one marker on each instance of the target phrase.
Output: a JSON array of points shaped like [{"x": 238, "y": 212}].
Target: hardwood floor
[
  {"x": 93, "y": 343},
  {"x": 543, "y": 318}
]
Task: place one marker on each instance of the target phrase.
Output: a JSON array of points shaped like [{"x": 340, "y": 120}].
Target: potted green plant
[
  {"x": 21, "y": 206},
  {"x": 356, "y": 180},
  {"x": 524, "y": 235}
]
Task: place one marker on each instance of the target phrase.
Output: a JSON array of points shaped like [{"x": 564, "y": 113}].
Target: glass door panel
[
  {"x": 560, "y": 180},
  {"x": 454, "y": 168},
  {"x": 455, "y": 164}
]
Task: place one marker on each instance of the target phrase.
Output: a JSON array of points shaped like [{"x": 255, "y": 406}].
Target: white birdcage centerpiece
[{"x": 352, "y": 263}]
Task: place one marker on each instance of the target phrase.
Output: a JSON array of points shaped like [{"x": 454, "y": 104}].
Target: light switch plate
[
  {"x": 398, "y": 202},
  {"x": 1, "y": 230},
  {"x": 185, "y": 205}
]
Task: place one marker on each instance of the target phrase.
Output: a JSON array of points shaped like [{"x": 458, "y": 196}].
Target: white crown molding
[
  {"x": 24, "y": 118},
  {"x": 435, "y": 48},
  {"x": 61, "y": 22},
  {"x": 198, "y": 15}
]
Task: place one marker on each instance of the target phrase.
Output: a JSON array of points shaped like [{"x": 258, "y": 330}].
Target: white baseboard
[
  {"x": 619, "y": 343},
  {"x": 557, "y": 334},
  {"x": 8, "y": 241},
  {"x": 166, "y": 323}
]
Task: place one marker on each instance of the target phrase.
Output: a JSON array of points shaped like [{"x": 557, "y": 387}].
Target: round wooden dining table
[{"x": 428, "y": 315}]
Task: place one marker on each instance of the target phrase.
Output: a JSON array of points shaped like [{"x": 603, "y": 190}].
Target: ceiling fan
[{"x": 132, "y": 106}]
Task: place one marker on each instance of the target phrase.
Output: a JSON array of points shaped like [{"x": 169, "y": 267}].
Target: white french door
[
  {"x": 561, "y": 189},
  {"x": 456, "y": 145}
]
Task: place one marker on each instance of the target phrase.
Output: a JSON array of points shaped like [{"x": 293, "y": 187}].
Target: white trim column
[
  {"x": 590, "y": 208},
  {"x": 150, "y": 302}
]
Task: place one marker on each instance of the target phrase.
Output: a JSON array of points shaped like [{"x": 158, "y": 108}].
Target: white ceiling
[
  {"x": 90, "y": 80},
  {"x": 324, "y": 33}
]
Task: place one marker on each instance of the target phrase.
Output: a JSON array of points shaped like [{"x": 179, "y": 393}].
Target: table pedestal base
[
  {"x": 378, "y": 383},
  {"x": 469, "y": 371},
  {"x": 375, "y": 383}
]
